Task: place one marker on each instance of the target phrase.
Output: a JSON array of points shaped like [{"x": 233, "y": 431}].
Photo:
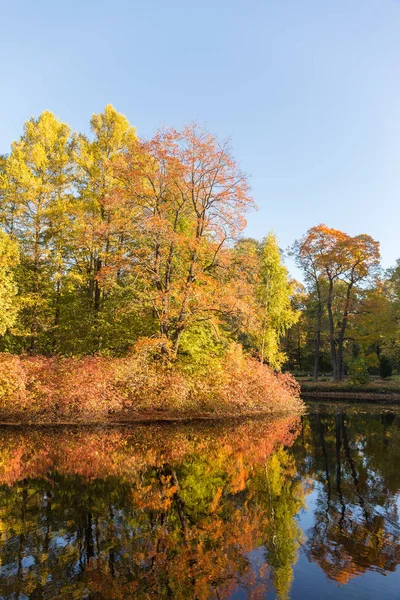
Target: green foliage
[
  {"x": 275, "y": 292},
  {"x": 202, "y": 346},
  {"x": 358, "y": 371}
]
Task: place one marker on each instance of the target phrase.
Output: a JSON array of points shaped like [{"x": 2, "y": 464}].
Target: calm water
[{"x": 300, "y": 508}]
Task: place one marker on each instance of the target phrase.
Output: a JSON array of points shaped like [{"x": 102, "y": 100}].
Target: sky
[{"x": 308, "y": 91}]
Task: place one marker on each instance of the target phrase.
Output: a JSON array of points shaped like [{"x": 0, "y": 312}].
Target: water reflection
[
  {"x": 149, "y": 512},
  {"x": 198, "y": 511},
  {"x": 355, "y": 460}
]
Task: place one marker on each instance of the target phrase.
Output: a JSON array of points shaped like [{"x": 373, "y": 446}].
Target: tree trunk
[
  {"x": 299, "y": 355},
  {"x": 96, "y": 306},
  {"x": 342, "y": 332},
  {"x": 56, "y": 316},
  {"x": 318, "y": 335},
  {"x": 265, "y": 321},
  {"x": 332, "y": 331}
]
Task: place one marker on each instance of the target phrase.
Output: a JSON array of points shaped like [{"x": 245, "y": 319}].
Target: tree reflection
[
  {"x": 178, "y": 511},
  {"x": 149, "y": 512},
  {"x": 356, "y": 521}
]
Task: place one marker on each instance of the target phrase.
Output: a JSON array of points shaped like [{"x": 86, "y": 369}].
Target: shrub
[
  {"x": 241, "y": 383},
  {"x": 148, "y": 380},
  {"x": 358, "y": 371},
  {"x": 12, "y": 383}
]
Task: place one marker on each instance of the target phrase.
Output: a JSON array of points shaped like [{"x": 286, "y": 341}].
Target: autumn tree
[
  {"x": 266, "y": 294},
  {"x": 101, "y": 219},
  {"x": 9, "y": 258},
  {"x": 307, "y": 254},
  {"x": 391, "y": 338},
  {"x": 296, "y": 340},
  {"x": 371, "y": 323},
  {"x": 361, "y": 262},
  {"x": 343, "y": 263},
  {"x": 275, "y": 293},
  {"x": 122, "y": 238},
  {"x": 36, "y": 188},
  {"x": 191, "y": 198}
]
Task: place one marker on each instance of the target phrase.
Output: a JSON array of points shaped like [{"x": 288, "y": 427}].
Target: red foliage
[{"x": 57, "y": 389}]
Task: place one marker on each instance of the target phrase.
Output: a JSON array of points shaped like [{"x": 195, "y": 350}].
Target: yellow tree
[
  {"x": 102, "y": 224},
  {"x": 9, "y": 259},
  {"x": 36, "y": 187}
]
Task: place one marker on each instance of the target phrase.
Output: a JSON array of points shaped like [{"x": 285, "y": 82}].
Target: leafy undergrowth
[{"x": 57, "y": 389}]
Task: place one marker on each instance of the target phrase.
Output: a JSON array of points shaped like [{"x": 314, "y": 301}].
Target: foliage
[
  {"x": 13, "y": 394},
  {"x": 275, "y": 293},
  {"x": 53, "y": 389},
  {"x": 9, "y": 259},
  {"x": 358, "y": 371},
  {"x": 132, "y": 243},
  {"x": 336, "y": 267},
  {"x": 36, "y": 190}
]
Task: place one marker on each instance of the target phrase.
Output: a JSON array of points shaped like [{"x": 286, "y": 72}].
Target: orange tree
[
  {"x": 189, "y": 199},
  {"x": 343, "y": 263}
]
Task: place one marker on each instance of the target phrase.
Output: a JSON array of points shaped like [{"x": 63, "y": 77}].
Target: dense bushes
[{"x": 57, "y": 389}]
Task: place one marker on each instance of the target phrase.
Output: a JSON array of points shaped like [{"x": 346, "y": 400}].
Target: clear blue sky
[{"x": 308, "y": 90}]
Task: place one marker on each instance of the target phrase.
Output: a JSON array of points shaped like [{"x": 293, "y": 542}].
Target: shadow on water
[{"x": 203, "y": 510}]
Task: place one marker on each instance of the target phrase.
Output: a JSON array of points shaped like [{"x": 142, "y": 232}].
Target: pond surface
[{"x": 293, "y": 507}]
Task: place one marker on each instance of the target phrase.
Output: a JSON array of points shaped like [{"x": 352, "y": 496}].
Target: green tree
[{"x": 275, "y": 292}]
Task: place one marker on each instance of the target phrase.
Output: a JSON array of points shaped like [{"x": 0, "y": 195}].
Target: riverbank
[
  {"x": 375, "y": 391},
  {"x": 156, "y": 418},
  {"x": 136, "y": 388}
]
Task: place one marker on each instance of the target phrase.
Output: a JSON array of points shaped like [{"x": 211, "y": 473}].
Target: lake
[{"x": 290, "y": 507}]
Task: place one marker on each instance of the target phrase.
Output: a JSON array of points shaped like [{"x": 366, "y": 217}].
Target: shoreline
[
  {"x": 150, "y": 418},
  {"x": 356, "y": 396}
]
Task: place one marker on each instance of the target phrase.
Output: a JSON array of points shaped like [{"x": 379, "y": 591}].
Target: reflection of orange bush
[
  {"x": 58, "y": 388},
  {"x": 123, "y": 452}
]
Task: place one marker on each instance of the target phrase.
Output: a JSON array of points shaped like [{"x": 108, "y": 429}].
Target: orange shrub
[
  {"x": 13, "y": 394},
  {"x": 243, "y": 384},
  {"x": 57, "y": 389}
]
